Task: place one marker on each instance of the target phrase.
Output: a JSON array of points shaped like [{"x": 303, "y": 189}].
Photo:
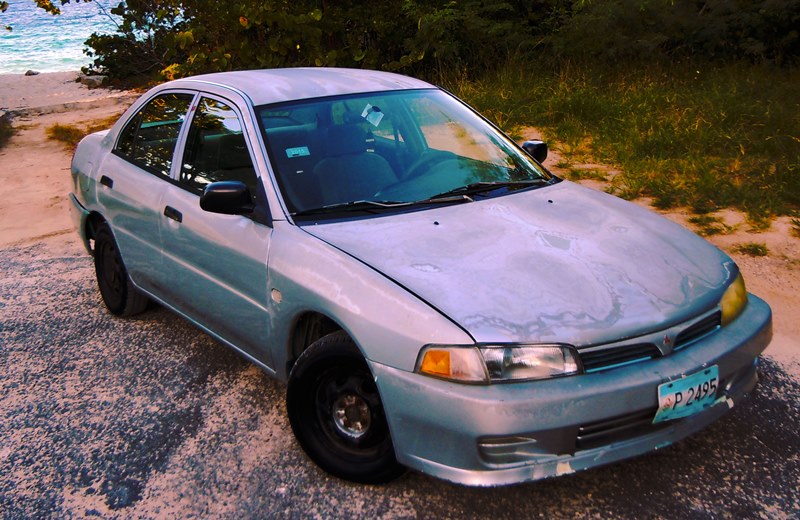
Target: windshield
[{"x": 396, "y": 149}]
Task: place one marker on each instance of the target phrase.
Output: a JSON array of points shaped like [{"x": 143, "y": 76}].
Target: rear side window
[{"x": 149, "y": 138}]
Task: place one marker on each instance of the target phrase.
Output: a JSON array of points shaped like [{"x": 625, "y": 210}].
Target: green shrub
[
  {"x": 6, "y": 130},
  {"x": 752, "y": 249},
  {"x": 709, "y": 225},
  {"x": 179, "y": 37},
  {"x": 71, "y": 135},
  {"x": 144, "y": 44},
  {"x": 614, "y": 30},
  {"x": 795, "y": 227}
]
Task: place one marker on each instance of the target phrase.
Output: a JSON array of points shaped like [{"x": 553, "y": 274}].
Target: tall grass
[
  {"x": 71, "y": 135},
  {"x": 705, "y": 136}
]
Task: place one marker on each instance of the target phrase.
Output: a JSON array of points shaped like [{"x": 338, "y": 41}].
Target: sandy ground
[
  {"x": 151, "y": 418},
  {"x": 50, "y": 91},
  {"x": 36, "y": 170}
]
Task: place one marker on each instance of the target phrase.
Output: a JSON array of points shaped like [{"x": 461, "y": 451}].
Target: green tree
[
  {"x": 611, "y": 30},
  {"x": 181, "y": 37},
  {"x": 144, "y": 41}
]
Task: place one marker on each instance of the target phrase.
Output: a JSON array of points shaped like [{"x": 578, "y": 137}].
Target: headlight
[
  {"x": 529, "y": 362},
  {"x": 498, "y": 363},
  {"x": 734, "y": 300}
]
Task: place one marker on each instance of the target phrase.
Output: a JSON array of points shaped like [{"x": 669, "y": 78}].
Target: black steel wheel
[
  {"x": 336, "y": 412},
  {"x": 116, "y": 288}
]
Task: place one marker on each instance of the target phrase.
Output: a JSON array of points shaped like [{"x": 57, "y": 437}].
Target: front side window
[
  {"x": 216, "y": 149},
  {"x": 150, "y": 136}
]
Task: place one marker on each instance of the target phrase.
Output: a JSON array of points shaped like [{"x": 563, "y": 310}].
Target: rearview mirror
[
  {"x": 227, "y": 197},
  {"x": 536, "y": 149}
]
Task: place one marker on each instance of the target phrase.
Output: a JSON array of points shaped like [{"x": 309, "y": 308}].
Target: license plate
[{"x": 688, "y": 395}]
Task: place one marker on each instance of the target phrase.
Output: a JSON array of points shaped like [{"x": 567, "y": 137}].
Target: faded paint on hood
[{"x": 562, "y": 263}]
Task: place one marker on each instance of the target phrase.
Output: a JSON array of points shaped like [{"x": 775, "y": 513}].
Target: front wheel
[{"x": 336, "y": 412}]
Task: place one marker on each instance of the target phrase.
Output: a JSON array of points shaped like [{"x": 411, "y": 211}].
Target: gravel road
[{"x": 144, "y": 418}]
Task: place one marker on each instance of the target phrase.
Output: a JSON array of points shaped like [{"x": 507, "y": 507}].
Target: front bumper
[{"x": 508, "y": 433}]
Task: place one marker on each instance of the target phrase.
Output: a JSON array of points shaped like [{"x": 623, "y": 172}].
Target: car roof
[{"x": 277, "y": 85}]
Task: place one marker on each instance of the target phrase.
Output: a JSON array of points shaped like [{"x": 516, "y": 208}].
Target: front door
[{"x": 215, "y": 266}]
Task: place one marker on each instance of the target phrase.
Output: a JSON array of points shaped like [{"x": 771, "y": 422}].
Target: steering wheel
[{"x": 425, "y": 161}]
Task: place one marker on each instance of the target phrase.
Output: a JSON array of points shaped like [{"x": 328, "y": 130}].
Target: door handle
[
  {"x": 107, "y": 181},
  {"x": 173, "y": 213}
]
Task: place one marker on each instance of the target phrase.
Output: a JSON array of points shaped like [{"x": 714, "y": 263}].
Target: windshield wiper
[
  {"x": 353, "y": 205},
  {"x": 484, "y": 186},
  {"x": 373, "y": 206}
]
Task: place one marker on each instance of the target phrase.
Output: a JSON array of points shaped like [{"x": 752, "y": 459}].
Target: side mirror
[
  {"x": 227, "y": 197},
  {"x": 536, "y": 149}
]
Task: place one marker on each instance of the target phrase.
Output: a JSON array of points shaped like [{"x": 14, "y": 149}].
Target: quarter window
[
  {"x": 216, "y": 149},
  {"x": 150, "y": 137}
]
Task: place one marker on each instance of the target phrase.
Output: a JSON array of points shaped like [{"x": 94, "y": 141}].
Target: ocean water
[{"x": 47, "y": 43}]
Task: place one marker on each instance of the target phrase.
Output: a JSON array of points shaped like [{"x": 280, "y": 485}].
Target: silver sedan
[{"x": 432, "y": 295}]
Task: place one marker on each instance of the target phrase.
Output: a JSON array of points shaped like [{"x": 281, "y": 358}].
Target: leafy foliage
[
  {"x": 435, "y": 37},
  {"x": 144, "y": 42},
  {"x": 181, "y": 37},
  {"x": 609, "y": 30}
]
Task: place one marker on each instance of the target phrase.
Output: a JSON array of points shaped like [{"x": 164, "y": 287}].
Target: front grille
[
  {"x": 605, "y": 357},
  {"x": 612, "y": 357},
  {"x": 696, "y": 331},
  {"x": 624, "y": 427}
]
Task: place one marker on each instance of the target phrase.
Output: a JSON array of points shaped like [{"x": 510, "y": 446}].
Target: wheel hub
[{"x": 351, "y": 415}]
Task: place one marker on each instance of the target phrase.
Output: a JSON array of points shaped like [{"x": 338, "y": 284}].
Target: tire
[
  {"x": 116, "y": 288},
  {"x": 336, "y": 413}
]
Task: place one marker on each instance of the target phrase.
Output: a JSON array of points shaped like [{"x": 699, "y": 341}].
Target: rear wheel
[
  {"x": 116, "y": 288},
  {"x": 337, "y": 415}
]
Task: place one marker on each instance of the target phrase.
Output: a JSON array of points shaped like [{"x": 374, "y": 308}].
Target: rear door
[
  {"x": 215, "y": 266},
  {"x": 133, "y": 177}
]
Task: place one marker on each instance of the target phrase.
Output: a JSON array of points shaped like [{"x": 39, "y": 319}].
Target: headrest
[
  {"x": 233, "y": 152},
  {"x": 346, "y": 140}
]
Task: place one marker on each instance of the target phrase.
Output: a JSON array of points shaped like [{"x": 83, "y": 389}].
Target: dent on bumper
[{"x": 438, "y": 427}]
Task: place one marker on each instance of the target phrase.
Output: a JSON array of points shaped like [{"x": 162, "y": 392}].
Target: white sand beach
[
  {"x": 35, "y": 171},
  {"x": 48, "y": 89}
]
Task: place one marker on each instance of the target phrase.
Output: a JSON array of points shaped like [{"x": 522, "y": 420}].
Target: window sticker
[
  {"x": 300, "y": 151},
  {"x": 372, "y": 114}
]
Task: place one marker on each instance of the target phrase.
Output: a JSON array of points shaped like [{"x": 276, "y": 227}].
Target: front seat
[{"x": 349, "y": 172}]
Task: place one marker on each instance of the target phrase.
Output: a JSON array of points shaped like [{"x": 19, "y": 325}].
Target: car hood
[{"x": 562, "y": 263}]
